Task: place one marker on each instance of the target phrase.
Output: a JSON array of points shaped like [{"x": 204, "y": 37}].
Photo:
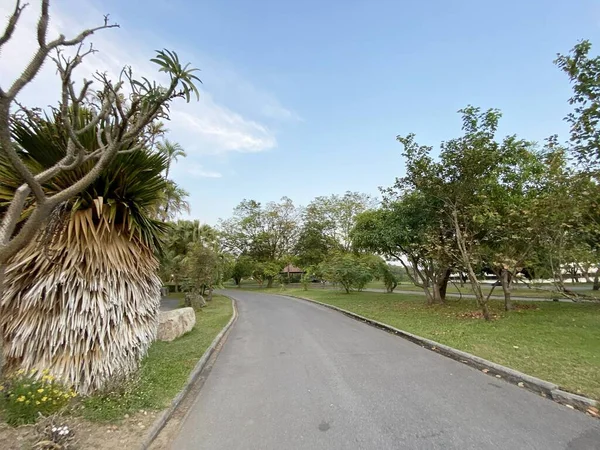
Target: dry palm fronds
[{"x": 87, "y": 313}]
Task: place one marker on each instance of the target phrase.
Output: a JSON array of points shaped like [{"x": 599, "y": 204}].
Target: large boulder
[{"x": 172, "y": 324}]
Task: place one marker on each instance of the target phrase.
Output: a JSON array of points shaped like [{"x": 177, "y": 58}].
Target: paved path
[{"x": 293, "y": 375}]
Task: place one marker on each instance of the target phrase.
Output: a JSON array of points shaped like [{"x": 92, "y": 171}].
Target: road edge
[
  {"x": 544, "y": 388},
  {"x": 166, "y": 415}
]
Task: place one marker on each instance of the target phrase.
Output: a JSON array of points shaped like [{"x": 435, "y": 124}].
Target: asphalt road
[{"x": 293, "y": 375}]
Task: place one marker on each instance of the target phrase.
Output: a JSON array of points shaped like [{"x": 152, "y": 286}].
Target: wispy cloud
[
  {"x": 198, "y": 170},
  {"x": 206, "y": 127}
]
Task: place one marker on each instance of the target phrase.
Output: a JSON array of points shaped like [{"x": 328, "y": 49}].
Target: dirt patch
[
  {"x": 127, "y": 434},
  {"x": 520, "y": 307},
  {"x": 476, "y": 315}
]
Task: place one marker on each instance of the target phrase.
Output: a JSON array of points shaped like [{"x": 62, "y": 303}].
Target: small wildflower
[
  {"x": 37, "y": 402},
  {"x": 21, "y": 398},
  {"x": 27, "y": 402},
  {"x": 45, "y": 372},
  {"x": 44, "y": 399},
  {"x": 1, "y": 388},
  {"x": 40, "y": 390}
]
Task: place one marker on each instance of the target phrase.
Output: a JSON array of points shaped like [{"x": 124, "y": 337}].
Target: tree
[
  {"x": 470, "y": 180},
  {"x": 201, "y": 268},
  {"x": 584, "y": 73},
  {"x": 173, "y": 202},
  {"x": 348, "y": 270},
  {"x": 265, "y": 234},
  {"x": 335, "y": 216},
  {"x": 82, "y": 297},
  {"x": 410, "y": 229},
  {"x": 314, "y": 244},
  {"x": 121, "y": 110},
  {"x": 172, "y": 151},
  {"x": 242, "y": 268}
]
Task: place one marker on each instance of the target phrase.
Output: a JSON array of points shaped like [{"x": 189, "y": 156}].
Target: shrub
[
  {"x": 348, "y": 270},
  {"x": 27, "y": 396}
]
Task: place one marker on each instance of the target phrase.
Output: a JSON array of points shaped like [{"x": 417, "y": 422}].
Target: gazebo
[{"x": 291, "y": 270}]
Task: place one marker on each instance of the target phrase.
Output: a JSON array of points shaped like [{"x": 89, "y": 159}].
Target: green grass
[
  {"x": 558, "y": 342},
  {"x": 545, "y": 291},
  {"x": 165, "y": 370}
]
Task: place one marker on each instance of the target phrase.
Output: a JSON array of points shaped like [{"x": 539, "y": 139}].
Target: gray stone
[{"x": 172, "y": 324}]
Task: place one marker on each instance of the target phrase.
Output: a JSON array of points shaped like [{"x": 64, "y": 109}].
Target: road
[{"x": 294, "y": 375}]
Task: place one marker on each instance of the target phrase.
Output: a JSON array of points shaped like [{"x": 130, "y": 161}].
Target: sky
[{"x": 306, "y": 98}]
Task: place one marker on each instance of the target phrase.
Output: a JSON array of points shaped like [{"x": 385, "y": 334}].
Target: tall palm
[
  {"x": 82, "y": 298},
  {"x": 156, "y": 129},
  {"x": 172, "y": 151}
]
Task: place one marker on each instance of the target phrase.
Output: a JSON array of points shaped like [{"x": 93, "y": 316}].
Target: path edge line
[
  {"x": 544, "y": 388},
  {"x": 165, "y": 416}
]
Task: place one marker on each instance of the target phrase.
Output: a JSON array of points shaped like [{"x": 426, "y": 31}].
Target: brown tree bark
[
  {"x": 270, "y": 282},
  {"x": 506, "y": 280}
]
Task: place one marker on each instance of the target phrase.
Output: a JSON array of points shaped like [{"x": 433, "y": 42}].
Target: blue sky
[{"x": 305, "y": 98}]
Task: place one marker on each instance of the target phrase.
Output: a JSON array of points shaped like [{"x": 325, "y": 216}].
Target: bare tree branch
[{"x": 12, "y": 22}]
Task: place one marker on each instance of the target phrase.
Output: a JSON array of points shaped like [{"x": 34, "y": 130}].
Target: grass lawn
[
  {"x": 545, "y": 291},
  {"x": 558, "y": 342},
  {"x": 165, "y": 370}
]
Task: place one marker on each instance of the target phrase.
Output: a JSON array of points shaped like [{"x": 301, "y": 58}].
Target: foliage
[
  {"x": 25, "y": 396},
  {"x": 410, "y": 228},
  {"x": 97, "y": 251},
  {"x": 584, "y": 73},
  {"x": 123, "y": 111},
  {"x": 242, "y": 268},
  {"x": 266, "y": 234},
  {"x": 201, "y": 267},
  {"x": 334, "y": 217},
  {"x": 350, "y": 271}
]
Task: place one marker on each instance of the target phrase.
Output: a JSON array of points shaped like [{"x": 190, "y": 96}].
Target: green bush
[
  {"x": 348, "y": 270},
  {"x": 27, "y": 396}
]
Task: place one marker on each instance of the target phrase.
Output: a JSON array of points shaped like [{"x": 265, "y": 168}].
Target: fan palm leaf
[{"x": 82, "y": 298}]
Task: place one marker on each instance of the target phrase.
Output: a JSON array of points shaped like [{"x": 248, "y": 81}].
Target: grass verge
[
  {"x": 164, "y": 371},
  {"x": 558, "y": 342}
]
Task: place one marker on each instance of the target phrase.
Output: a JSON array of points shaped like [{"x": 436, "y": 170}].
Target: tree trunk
[
  {"x": 428, "y": 295},
  {"x": 596, "y": 286},
  {"x": 506, "y": 280},
  {"x": 176, "y": 278},
  {"x": 237, "y": 281},
  {"x": 462, "y": 247},
  {"x": 443, "y": 285},
  {"x": 270, "y": 282}
]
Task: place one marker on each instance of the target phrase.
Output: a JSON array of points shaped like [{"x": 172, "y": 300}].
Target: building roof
[{"x": 290, "y": 268}]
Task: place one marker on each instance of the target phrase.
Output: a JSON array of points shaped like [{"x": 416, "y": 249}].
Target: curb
[
  {"x": 164, "y": 417},
  {"x": 545, "y": 388}
]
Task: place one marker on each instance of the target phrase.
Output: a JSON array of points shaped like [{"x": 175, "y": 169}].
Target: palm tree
[
  {"x": 173, "y": 202},
  {"x": 82, "y": 298},
  {"x": 171, "y": 150},
  {"x": 156, "y": 129}
]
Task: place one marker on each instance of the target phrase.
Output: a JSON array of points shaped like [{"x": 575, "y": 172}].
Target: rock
[{"x": 172, "y": 324}]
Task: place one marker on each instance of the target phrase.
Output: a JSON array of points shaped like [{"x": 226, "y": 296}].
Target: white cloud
[
  {"x": 203, "y": 128},
  {"x": 198, "y": 170}
]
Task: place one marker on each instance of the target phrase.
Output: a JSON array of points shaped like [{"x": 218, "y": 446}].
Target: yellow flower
[
  {"x": 45, "y": 371},
  {"x": 27, "y": 402},
  {"x": 32, "y": 371},
  {"x": 44, "y": 399},
  {"x": 40, "y": 390},
  {"x": 73, "y": 394},
  {"x": 20, "y": 372},
  {"x": 1, "y": 388},
  {"x": 21, "y": 398},
  {"x": 37, "y": 402}
]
